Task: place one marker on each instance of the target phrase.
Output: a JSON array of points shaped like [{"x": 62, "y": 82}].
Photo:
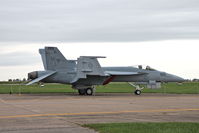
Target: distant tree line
[
  {"x": 17, "y": 80},
  {"x": 24, "y": 80}
]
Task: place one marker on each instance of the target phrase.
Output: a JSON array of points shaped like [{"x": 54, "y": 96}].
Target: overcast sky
[
  {"x": 98, "y": 20},
  {"x": 128, "y": 30}
]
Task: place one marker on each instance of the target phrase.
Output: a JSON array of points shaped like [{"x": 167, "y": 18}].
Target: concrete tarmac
[{"x": 31, "y": 113}]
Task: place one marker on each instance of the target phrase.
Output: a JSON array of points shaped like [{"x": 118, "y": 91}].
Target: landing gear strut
[{"x": 137, "y": 89}]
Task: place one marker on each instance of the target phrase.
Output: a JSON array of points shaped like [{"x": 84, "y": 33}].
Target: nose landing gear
[{"x": 137, "y": 88}]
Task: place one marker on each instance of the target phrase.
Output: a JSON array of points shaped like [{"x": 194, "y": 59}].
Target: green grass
[
  {"x": 172, "y": 127},
  {"x": 48, "y": 88},
  {"x": 185, "y": 88}
]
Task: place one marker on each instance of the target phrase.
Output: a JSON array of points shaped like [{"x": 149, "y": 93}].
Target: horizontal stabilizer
[
  {"x": 121, "y": 73},
  {"x": 41, "y": 78}
]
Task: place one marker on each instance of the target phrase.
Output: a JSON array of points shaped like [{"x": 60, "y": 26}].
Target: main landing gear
[
  {"x": 88, "y": 91},
  {"x": 137, "y": 89}
]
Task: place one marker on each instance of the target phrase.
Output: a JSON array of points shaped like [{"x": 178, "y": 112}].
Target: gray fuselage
[{"x": 149, "y": 75}]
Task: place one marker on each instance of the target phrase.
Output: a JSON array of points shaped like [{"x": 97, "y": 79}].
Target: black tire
[
  {"x": 82, "y": 91},
  {"x": 89, "y": 91},
  {"x": 137, "y": 92}
]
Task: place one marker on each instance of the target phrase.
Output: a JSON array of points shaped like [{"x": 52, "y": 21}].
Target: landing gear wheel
[
  {"x": 82, "y": 91},
  {"x": 137, "y": 92},
  {"x": 89, "y": 91}
]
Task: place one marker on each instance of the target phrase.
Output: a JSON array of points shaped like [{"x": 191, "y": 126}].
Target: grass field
[
  {"x": 185, "y": 88},
  {"x": 171, "y": 127}
]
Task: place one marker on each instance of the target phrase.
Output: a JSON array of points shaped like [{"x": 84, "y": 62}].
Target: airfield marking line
[{"x": 98, "y": 113}]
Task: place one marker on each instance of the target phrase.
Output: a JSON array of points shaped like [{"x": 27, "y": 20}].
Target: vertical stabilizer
[{"x": 53, "y": 59}]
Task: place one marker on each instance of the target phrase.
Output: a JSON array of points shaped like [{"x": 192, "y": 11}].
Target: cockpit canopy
[{"x": 146, "y": 67}]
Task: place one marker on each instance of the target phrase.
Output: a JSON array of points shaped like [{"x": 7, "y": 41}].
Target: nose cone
[{"x": 174, "y": 78}]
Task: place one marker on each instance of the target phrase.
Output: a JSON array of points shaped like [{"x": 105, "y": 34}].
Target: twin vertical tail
[{"x": 53, "y": 59}]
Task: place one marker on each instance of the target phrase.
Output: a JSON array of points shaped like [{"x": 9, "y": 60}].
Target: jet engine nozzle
[{"x": 32, "y": 75}]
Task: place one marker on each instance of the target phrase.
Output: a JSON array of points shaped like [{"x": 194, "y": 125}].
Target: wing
[
  {"x": 41, "y": 78},
  {"x": 121, "y": 73}
]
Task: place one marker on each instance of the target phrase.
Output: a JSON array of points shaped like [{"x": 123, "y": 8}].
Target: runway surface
[{"x": 32, "y": 113}]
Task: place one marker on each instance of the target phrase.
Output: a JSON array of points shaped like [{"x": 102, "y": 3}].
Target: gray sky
[
  {"x": 128, "y": 32},
  {"x": 98, "y": 20}
]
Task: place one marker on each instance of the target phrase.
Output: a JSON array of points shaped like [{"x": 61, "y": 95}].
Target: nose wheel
[{"x": 137, "y": 92}]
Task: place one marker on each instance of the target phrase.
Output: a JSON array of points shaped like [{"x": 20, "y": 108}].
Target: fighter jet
[{"x": 85, "y": 73}]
